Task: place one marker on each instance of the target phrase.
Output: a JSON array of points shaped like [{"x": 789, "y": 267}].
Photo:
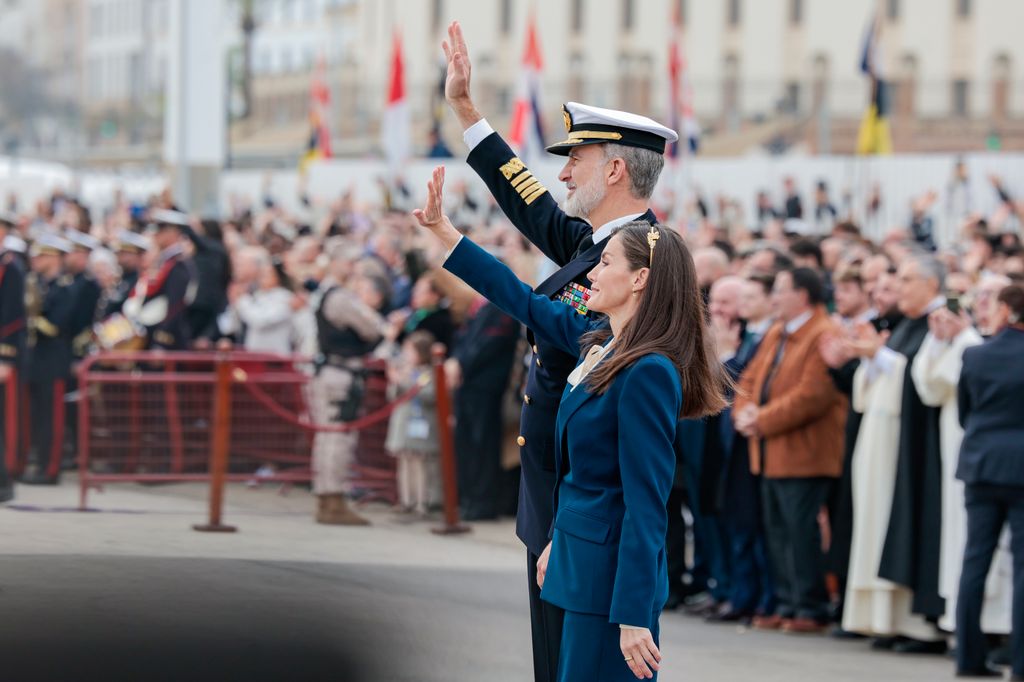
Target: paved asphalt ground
[{"x": 130, "y": 592}]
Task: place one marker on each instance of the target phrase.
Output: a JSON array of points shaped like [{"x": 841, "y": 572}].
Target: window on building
[
  {"x": 963, "y": 9},
  {"x": 1001, "y": 74},
  {"x": 892, "y": 10},
  {"x": 505, "y": 17},
  {"x": 681, "y": 11},
  {"x": 628, "y": 10},
  {"x": 961, "y": 90},
  {"x": 734, "y": 14},
  {"x": 796, "y": 12},
  {"x": 791, "y": 100},
  {"x": 577, "y": 16}
]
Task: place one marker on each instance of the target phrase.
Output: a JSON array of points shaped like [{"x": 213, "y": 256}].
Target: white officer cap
[
  {"x": 797, "y": 226},
  {"x": 163, "y": 216},
  {"x": 50, "y": 243},
  {"x": 8, "y": 218},
  {"x": 81, "y": 240},
  {"x": 131, "y": 241},
  {"x": 15, "y": 243},
  {"x": 594, "y": 125}
]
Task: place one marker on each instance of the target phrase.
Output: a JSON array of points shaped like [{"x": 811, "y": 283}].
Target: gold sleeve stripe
[
  {"x": 46, "y": 327},
  {"x": 529, "y": 187},
  {"x": 540, "y": 190},
  {"x": 521, "y": 178}
]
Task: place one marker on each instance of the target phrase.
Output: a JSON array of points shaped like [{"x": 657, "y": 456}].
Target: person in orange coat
[{"x": 794, "y": 416}]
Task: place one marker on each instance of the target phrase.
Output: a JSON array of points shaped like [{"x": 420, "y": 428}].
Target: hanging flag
[
  {"x": 395, "y": 133},
  {"x": 874, "y": 137},
  {"x": 527, "y": 133},
  {"x": 680, "y": 113},
  {"x": 319, "y": 145}
]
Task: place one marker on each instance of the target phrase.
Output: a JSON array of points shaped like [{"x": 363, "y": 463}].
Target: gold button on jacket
[
  {"x": 521, "y": 441},
  {"x": 527, "y": 399}
]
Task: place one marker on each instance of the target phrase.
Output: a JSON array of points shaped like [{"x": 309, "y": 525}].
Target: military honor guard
[
  {"x": 12, "y": 352},
  {"x": 613, "y": 162},
  {"x": 49, "y": 305},
  {"x": 129, "y": 248},
  {"x": 161, "y": 298}
]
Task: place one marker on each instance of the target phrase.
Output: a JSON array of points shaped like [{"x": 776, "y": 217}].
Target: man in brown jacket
[{"x": 793, "y": 415}]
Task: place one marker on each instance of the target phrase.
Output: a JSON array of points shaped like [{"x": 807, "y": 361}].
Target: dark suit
[
  {"x": 614, "y": 464},
  {"x": 485, "y": 349},
  {"x": 992, "y": 467},
  {"x": 750, "y": 582},
  {"x": 12, "y": 354},
  {"x": 568, "y": 242}
]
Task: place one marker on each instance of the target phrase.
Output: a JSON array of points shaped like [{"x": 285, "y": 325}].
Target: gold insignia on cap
[
  {"x": 512, "y": 167},
  {"x": 566, "y": 118}
]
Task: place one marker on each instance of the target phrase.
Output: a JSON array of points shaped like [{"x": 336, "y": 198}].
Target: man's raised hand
[{"x": 456, "y": 84}]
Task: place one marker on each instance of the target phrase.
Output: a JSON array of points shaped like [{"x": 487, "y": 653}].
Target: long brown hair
[{"x": 669, "y": 320}]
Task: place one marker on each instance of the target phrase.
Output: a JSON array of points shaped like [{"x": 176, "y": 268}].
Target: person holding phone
[{"x": 647, "y": 363}]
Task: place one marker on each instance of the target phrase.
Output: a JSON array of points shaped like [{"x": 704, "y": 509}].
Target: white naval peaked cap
[
  {"x": 15, "y": 243},
  {"x": 50, "y": 243},
  {"x": 131, "y": 241},
  {"x": 163, "y": 216},
  {"x": 79, "y": 239},
  {"x": 594, "y": 125}
]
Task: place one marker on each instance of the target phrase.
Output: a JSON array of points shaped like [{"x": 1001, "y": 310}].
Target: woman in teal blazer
[{"x": 646, "y": 365}]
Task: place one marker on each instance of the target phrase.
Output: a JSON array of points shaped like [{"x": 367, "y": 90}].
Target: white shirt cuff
[
  {"x": 882, "y": 363},
  {"x": 475, "y": 134},
  {"x": 449, "y": 251},
  {"x": 623, "y": 626}
]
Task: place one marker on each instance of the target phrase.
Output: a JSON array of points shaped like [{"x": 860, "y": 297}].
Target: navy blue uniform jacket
[
  {"x": 567, "y": 242},
  {"x": 614, "y": 461},
  {"x": 992, "y": 411}
]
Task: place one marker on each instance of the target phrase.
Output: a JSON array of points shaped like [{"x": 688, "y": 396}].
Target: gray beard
[{"x": 581, "y": 202}]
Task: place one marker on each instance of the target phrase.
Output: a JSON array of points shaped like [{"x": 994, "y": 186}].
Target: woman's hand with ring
[{"x": 640, "y": 652}]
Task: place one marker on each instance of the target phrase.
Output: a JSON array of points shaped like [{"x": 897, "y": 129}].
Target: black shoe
[
  {"x": 727, "y": 614},
  {"x": 1000, "y": 657},
  {"x": 6, "y": 493},
  {"x": 839, "y": 633},
  {"x": 39, "y": 479},
  {"x": 914, "y": 646},
  {"x": 884, "y": 643},
  {"x": 987, "y": 671}
]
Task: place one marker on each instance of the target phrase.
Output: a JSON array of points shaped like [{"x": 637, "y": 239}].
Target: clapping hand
[
  {"x": 866, "y": 341},
  {"x": 835, "y": 351},
  {"x": 432, "y": 216},
  {"x": 946, "y": 325}
]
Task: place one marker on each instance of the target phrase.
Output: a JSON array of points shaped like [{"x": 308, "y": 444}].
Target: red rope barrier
[{"x": 354, "y": 425}]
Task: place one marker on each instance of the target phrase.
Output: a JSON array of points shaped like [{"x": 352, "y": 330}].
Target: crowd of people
[
  {"x": 838, "y": 491},
  {"x": 826, "y": 494}
]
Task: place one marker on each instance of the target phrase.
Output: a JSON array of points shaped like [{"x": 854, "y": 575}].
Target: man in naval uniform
[
  {"x": 12, "y": 351},
  {"x": 128, "y": 248},
  {"x": 49, "y": 303},
  {"x": 614, "y": 159},
  {"x": 160, "y": 300}
]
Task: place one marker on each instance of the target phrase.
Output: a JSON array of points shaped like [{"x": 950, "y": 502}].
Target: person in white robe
[{"x": 936, "y": 372}]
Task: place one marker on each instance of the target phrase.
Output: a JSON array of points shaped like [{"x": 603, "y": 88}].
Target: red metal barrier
[{"x": 150, "y": 417}]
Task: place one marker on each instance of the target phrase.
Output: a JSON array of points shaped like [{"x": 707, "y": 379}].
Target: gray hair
[
  {"x": 643, "y": 165},
  {"x": 929, "y": 267}
]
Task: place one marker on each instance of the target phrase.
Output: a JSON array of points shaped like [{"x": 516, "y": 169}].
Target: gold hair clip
[{"x": 652, "y": 238}]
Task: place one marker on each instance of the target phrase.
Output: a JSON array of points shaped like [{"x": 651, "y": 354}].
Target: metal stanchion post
[
  {"x": 219, "y": 449},
  {"x": 452, "y": 525}
]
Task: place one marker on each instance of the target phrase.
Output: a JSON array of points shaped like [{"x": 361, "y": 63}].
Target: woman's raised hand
[{"x": 432, "y": 216}]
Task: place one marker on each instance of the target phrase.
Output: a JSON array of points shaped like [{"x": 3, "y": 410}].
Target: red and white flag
[
  {"x": 680, "y": 114},
  {"x": 395, "y": 132},
  {"x": 527, "y": 133},
  {"x": 319, "y": 144}
]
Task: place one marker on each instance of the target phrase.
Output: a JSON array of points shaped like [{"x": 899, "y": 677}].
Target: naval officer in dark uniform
[
  {"x": 161, "y": 299},
  {"x": 49, "y": 304},
  {"x": 129, "y": 248},
  {"x": 614, "y": 160},
  {"x": 12, "y": 351}
]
